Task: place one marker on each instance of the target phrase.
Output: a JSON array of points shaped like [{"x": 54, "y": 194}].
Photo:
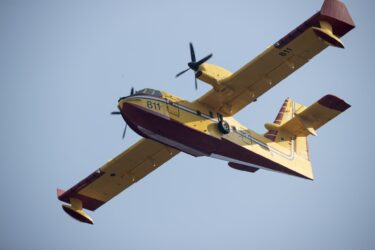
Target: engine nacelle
[{"x": 212, "y": 74}]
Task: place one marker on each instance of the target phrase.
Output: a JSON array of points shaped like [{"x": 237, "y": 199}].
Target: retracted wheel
[{"x": 223, "y": 127}]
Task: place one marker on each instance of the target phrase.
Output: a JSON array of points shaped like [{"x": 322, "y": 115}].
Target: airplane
[{"x": 206, "y": 127}]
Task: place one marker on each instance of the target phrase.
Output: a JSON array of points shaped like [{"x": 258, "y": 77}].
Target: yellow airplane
[{"x": 206, "y": 127}]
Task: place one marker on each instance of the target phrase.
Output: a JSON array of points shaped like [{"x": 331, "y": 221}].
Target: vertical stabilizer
[
  {"x": 286, "y": 113},
  {"x": 272, "y": 134}
]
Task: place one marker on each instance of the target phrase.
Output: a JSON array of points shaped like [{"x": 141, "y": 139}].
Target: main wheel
[{"x": 223, "y": 127}]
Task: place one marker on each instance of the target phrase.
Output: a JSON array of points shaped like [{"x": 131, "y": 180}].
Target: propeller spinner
[{"x": 194, "y": 65}]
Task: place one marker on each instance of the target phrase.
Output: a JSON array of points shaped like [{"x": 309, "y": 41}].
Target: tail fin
[
  {"x": 285, "y": 114},
  {"x": 295, "y": 121}
]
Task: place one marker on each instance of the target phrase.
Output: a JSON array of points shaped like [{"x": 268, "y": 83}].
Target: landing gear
[{"x": 223, "y": 125}]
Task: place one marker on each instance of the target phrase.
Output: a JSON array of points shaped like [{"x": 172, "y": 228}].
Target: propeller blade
[
  {"x": 116, "y": 113},
  {"x": 192, "y": 53},
  {"x": 203, "y": 60},
  {"x": 182, "y": 72},
  {"x": 123, "y": 134},
  {"x": 194, "y": 65}
]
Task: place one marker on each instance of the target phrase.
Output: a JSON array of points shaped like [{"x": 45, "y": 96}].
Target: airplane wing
[
  {"x": 116, "y": 175},
  {"x": 281, "y": 59}
]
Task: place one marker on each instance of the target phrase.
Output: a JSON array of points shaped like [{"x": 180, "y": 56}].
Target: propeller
[
  {"x": 123, "y": 133},
  {"x": 119, "y": 113},
  {"x": 194, "y": 64},
  {"x": 126, "y": 125}
]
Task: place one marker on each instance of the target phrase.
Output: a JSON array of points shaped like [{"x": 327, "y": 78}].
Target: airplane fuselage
[{"x": 193, "y": 129}]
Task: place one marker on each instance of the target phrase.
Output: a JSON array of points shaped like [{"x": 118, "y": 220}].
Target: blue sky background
[{"x": 63, "y": 65}]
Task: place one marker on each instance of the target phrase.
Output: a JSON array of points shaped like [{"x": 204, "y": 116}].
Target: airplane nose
[
  {"x": 124, "y": 103},
  {"x": 121, "y": 103}
]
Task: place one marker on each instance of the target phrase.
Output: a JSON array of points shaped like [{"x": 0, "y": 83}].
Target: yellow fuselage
[{"x": 193, "y": 129}]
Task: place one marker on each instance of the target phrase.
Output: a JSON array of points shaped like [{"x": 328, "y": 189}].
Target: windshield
[{"x": 152, "y": 92}]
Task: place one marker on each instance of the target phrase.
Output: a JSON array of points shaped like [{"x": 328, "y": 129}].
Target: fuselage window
[{"x": 151, "y": 92}]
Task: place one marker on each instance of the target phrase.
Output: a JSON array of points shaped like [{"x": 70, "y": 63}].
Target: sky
[{"x": 63, "y": 66}]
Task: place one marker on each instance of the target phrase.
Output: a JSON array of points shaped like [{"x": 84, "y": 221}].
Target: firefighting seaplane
[{"x": 206, "y": 127}]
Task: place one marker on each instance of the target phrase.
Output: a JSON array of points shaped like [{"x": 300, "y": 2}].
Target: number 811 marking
[
  {"x": 153, "y": 105},
  {"x": 285, "y": 52}
]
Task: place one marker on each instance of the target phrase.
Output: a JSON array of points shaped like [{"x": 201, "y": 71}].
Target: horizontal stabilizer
[{"x": 307, "y": 120}]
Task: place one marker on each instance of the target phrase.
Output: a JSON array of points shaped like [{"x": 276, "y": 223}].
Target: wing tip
[
  {"x": 60, "y": 192},
  {"x": 333, "y": 102},
  {"x": 336, "y": 13},
  {"x": 88, "y": 202},
  {"x": 73, "y": 210}
]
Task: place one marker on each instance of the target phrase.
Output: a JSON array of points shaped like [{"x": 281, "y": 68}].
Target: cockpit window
[{"x": 152, "y": 92}]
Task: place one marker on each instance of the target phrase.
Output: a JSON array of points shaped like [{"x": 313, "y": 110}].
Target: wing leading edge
[
  {"x": 278, "y": 61},
  {"x": 116, "y": 175}
]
